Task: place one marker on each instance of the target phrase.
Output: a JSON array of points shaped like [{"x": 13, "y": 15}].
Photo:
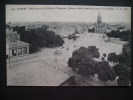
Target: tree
[
  {"x": 123, "y": 68},
  {"x": 33, "y": 48},
  {"x": 38, "y": 38},
  {"x": 112, "y": 57},
  {"x": 73, "y": 36},
  {"x": 103, "y": 58},
  {"x": 82, "y": 61},
  {"x": 123, "y": 35},
  {"x": 126, "y": 51},
  {"x": 113, "y": 34},
  {"x": 124, "y": 74},
  {"x": 90, "y": 51},
  {"x": 117, "y": 33},
  {"x": 93, "y": 51},
  {"x": 84, "y": 65},
  {"x": 81, "y": 52},
  {"x": 104, "y": 55},
  {"x": 52, "y": 38},
  {"x": 123, "y": 81},
  {"x": 125, "y": 56},
  {"x": 104, "y": 71}
]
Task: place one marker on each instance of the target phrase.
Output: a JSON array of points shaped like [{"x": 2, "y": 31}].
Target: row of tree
[
  {"x": 38, "y": 38},
  {"x": 83, "y": 62},
  {"x": 122, "y": 64},
  {"x": 123, "y": 35}
]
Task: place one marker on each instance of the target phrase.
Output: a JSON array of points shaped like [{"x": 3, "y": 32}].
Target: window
[
  {"x": 25, "y": 50},
  {"x": 20, "y": 51},
  {"x": 14, "y": 52}
]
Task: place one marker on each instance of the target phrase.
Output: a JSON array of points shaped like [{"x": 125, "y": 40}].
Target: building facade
[
  {"x": 99, "y": 27},
  {"x": 15, "y": 47}
]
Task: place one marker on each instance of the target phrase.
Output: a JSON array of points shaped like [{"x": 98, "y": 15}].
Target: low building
[
  {"x": 18, "y": 48},
  {"x": 15, "y": 47}
]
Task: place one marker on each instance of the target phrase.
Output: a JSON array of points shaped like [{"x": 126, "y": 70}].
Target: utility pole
[
  {"x": 8, "y": 53},
  {"x": 9, "y": 61}
]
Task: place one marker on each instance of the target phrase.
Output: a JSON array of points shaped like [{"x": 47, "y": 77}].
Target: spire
[{"x": 99, "y": 19}]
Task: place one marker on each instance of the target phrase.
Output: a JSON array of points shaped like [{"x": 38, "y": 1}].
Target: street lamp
[
  {"x": 8, "y": 53},
  {"x": 9, "y": 61}
]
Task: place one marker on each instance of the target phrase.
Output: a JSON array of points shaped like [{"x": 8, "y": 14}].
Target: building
[
  {"x": 15, "y": 47},
  {"x": 99, "y": 26},
  {"x": 12, "y": 36}
]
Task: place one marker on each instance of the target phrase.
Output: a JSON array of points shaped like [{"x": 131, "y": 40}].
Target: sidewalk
[{"x": 22, "y": 58}]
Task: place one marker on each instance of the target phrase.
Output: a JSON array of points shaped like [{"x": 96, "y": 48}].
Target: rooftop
[
  {"x": 17, "y": 44},
  {"x": 8, "y": 32}
]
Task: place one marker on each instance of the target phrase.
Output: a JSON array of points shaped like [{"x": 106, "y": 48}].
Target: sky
[{"x": 66, "y": 13}]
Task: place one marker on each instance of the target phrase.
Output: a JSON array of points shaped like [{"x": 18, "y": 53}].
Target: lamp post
[
  {"x": 9, "y": 62},
  {"x": 8, "y": 53},
  {"x": 9, "y": 58}
]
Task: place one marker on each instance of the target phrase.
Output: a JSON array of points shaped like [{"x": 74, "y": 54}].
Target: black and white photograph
[{"x": 68, "y": 45}]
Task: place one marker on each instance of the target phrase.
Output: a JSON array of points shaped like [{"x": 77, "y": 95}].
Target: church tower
[
  {"x": 99, "y": 26},
  {"x": 99, "y": 19}
]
